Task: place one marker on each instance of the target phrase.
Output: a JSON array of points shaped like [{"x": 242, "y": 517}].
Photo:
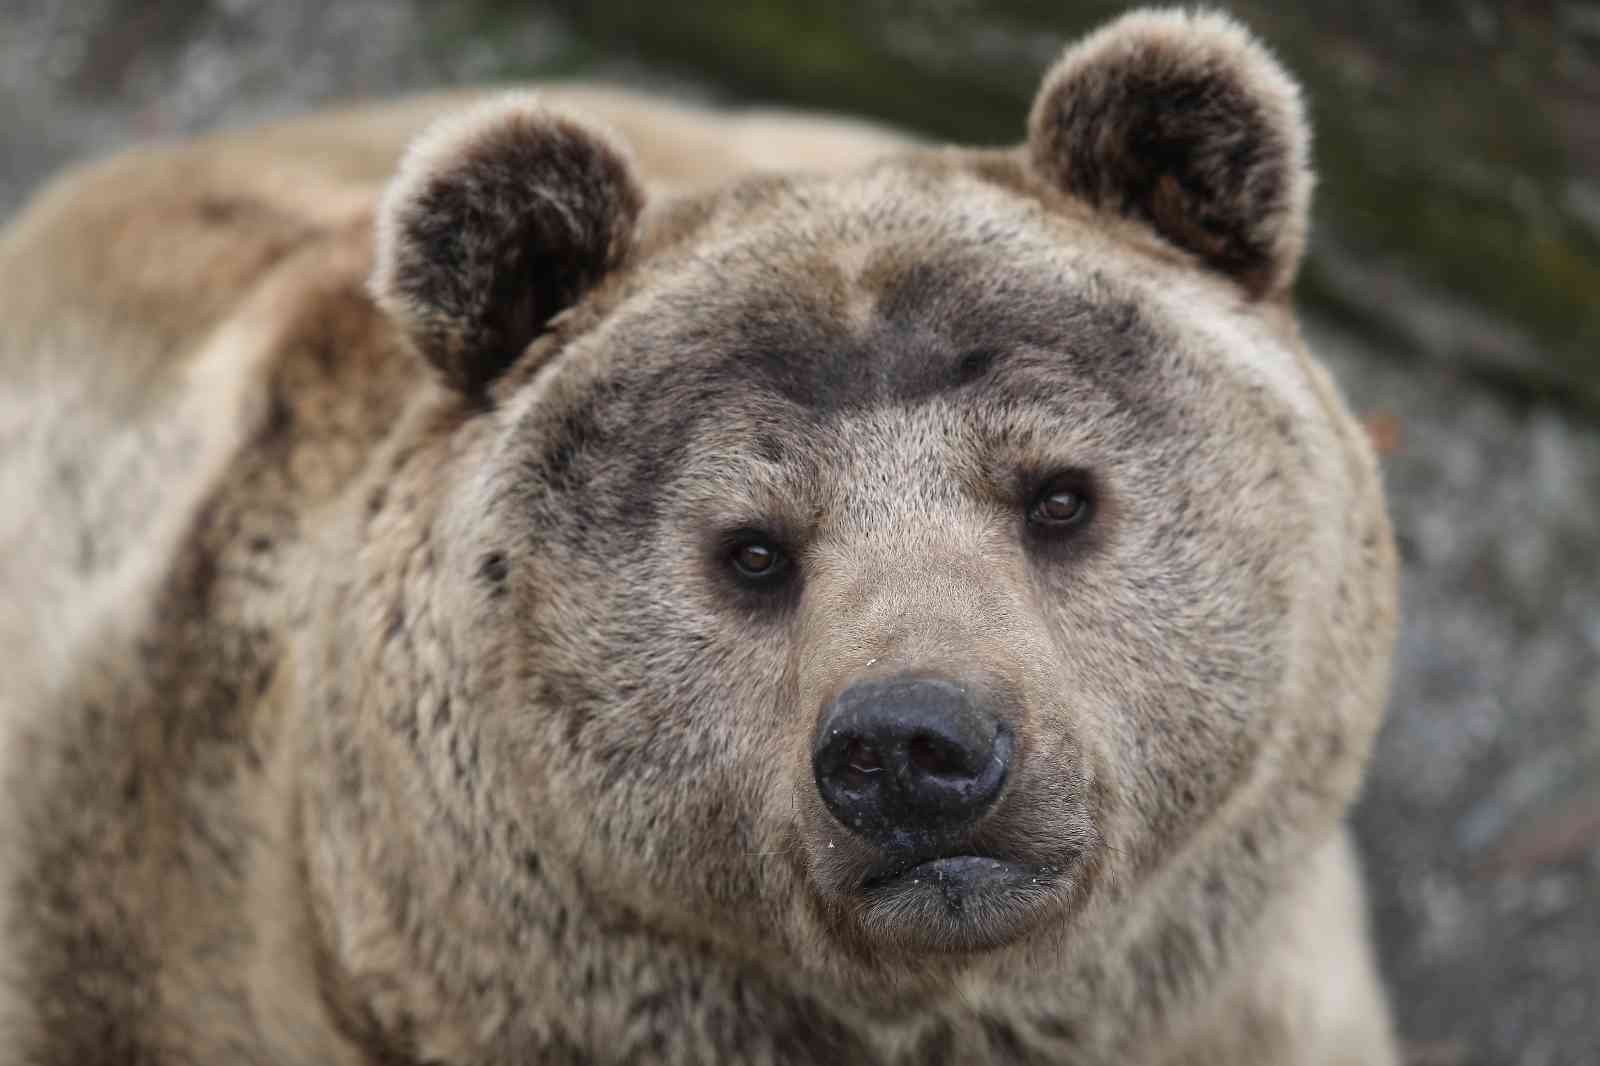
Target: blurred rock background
[{"x": 1453, "y": 286}]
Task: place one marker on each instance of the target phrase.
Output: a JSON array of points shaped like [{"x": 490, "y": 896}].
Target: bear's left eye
[
  {"x": 757, "y": 559},
  {"x": 1062, "y": 504}
]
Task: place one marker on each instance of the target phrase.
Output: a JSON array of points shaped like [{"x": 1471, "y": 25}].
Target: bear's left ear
[
  {"x": 497, "y": 221},
  {"x": 1184, "y": 122}
]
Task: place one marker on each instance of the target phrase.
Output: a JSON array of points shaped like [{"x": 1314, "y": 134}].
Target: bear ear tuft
[
  {"x": 1184, "y": 122},
  {"x": 498, "y": 220}
]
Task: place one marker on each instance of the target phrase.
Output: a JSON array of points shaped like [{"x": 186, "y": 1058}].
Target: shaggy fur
[
  {"x": 497, "y": 221},
  {"x": 381, "y": 691},
  {"x": 1184, "y": 122}
]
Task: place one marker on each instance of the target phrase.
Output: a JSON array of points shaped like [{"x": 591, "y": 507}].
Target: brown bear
[{"x": 676, "y": 587}]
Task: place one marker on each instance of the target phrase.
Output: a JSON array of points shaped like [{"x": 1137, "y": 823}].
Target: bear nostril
[
  {"x": 927, "y": 755},
  {"x": 861, "y": 762}
]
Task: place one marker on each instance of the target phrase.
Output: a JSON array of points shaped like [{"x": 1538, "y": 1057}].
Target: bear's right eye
[
  {"x": 1062, "y": 504},
  {"x": 757, "y": 559}
]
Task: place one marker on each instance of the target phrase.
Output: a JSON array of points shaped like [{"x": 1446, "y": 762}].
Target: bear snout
[{"x": 910, "y": 762}]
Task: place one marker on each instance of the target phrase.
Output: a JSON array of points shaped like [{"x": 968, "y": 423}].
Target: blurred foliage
[{"x": 1458, "y": 142}]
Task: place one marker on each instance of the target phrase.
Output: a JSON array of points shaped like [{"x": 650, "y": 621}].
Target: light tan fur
[{"x": 376, "y": 701}]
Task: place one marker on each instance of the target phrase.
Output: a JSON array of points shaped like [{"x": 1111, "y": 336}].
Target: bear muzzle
[{"x": 913, "y": 772}]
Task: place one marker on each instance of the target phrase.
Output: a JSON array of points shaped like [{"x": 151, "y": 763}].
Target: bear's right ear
[
  {"x": 1182, "y": 121},
  {"x": 497, "y": 221}
]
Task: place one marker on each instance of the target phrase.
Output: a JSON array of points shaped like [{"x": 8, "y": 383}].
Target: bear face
[
  {"x": 872, "y": 577},
  {"x": 885, "y": 435}
]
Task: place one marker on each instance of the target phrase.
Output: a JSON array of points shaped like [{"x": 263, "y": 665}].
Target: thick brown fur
[
  {"x": 1184, "y": 122},
  {"x": 381, "y": 693},
  {"x": 497, "y": 221}
]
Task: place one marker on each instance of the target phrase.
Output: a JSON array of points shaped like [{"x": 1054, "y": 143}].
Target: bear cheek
[{"x": 1161, "y": 714}]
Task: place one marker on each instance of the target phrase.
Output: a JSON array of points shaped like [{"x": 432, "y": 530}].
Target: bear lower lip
[
  {"x": 958, "y": 903},
  {"x": 959, "y": 875}
]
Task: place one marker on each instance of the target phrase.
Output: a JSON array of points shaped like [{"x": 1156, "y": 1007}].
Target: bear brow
[
  {"x": 908, "y": 359},
  {"x": 848, "y": 374}
]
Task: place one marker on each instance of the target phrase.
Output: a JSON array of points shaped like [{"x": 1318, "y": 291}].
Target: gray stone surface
[{"x": 1481, "y": 822}]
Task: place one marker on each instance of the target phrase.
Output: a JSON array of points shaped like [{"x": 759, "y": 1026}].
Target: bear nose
[{"x": 905, "y": 761}]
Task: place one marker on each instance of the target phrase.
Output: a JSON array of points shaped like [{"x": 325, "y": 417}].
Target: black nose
[{"x": 905, "y": 761}]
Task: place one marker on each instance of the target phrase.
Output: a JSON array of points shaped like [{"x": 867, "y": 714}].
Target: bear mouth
[
  {"x": 961, "y": 902},
  {"x": 957, "y": 876}
]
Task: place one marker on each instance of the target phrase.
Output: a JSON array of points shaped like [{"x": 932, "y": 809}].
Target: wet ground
[{"x": 1481, "y": 820}]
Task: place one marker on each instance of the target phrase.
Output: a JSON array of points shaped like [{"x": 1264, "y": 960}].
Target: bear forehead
[
  {"x": 887, "y": 287},
  {"x": 789, "y": 306}
]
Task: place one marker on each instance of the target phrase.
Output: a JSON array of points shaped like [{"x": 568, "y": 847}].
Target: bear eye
[
  {"x": 1062, "y": 504},
  {"x": 757, "y": 559}
]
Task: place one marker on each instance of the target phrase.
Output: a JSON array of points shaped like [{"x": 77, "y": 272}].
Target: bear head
[{"x": 871, "y": 577}]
